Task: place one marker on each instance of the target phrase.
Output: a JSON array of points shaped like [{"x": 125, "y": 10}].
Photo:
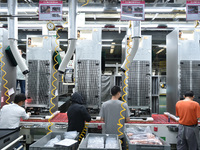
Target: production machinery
[
  {"x": 183, "y": 66},
  {"x": 8, "y": 70},
  {"x": 40, "y": 82},
  {"x": 88, "y": 68},
  {"x": 139, "y": 81}
]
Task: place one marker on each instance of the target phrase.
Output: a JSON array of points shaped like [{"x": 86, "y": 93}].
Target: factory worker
[
  {"x": 21, "y": 77},
  {"x": 110, "y": 112},
  {"x": 189, "y": 112},
  {"x": 77, "y": 114},
  {"x": 10, "y": 114}
]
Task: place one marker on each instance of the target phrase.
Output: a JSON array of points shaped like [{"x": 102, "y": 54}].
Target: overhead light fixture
[
  {"x": 65, "y": 45},
  {"x": 162, "y": 46},
  {"x": 157, "y": 10},
  {"x": 111, "y": 50},
  {"x": 84, "y": 9},
  {"x": 113, "y": 43},
  {"x": 107, "y": 40},
  {"x": 106, "y": 45},
  {"x": 160, "y": 51},
  {"x": 23, "y": 39}
]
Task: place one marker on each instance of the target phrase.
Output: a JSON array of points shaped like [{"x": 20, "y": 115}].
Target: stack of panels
[
  {"x": 32, "y": 80},
  {"x": 39, "y": 81},
  {"x": 184, "y": 77},
  {"x": 44, "y": 82},
  {"x": 190, "y": 78},
  {"x": 88, "y": 74},
  {"x": 139, "y": 84},
  {"x": 196, "y": 80}
]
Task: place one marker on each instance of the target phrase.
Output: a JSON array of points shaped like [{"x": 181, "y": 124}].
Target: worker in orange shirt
[{"x": 189, "y": 112}]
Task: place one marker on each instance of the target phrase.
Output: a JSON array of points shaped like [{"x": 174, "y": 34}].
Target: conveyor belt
[{"x": 62, "y": 117}]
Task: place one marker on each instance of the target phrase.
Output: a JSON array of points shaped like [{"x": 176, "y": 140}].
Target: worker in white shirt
[
  {"x": 10, "y": 114},
  {"x": 21, "y": 77}
]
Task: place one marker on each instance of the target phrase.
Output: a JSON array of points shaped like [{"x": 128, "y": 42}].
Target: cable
[
  {"x": 125, "y": 93},
  {"x": 55, "y": 79},
  {"x": 86, "y": 3},
  {"x": 4, "y": 76},
  {"x": 197, "y": 23},
  {"x": 83, "y": 132}
]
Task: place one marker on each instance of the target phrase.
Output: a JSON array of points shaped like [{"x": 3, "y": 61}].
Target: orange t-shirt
[{"x": 188, "y": 111}]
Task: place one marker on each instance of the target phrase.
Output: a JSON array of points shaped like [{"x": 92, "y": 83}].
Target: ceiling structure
[{"x": 161, "y": 17}]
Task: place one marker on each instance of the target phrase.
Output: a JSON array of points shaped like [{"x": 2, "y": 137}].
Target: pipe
[
  {"x": 72, "y": 35},
  {"x": 72, "y": 19},
  {"x": 136, "y": 35},
  {"x": 70, "y": 51},
  {"x": 13, "y": 142},
  {"x": 13, "y": 35}
]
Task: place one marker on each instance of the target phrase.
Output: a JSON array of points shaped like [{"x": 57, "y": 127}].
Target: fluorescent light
[
  {"x": 112, "y": 46},
  {"x": 160, "y": 51},
  {"x": 65, "y": 45},
  {"x": 23, "y": 39},
  {"x": 30, "y": 9},
  {"x": 113, "y": 43},
  {"x": 84, "y": 9},
  {"x": 158, "y": 10},
  {"x": 162, "y": 46},
  {"x": 107, "y": 40},
  {"x": 111, "y": 50},
  {"x": 106, "y": 45}
]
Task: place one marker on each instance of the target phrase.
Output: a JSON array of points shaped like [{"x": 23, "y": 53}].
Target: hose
[
  {"x": 4, "y": 76},
  {"x": 197, "y": 24},
  {"x": 125, "y": 93},
  {"x": 86, "y": 3},
  {"x": 55, "y": 79},
  {"x": 83, "y": 132}
]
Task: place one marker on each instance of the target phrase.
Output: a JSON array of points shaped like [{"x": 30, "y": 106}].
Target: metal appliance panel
[
  {"x": 88, "y": 69},
  {"x": 139, "y": 82},
  {"x": 39, "y": 80},
  {"x": 183, "y": 64},
  {"x": 172, "y": 71}
]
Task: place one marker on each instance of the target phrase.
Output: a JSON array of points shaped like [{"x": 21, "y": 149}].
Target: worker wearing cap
[
  {"x": 110, "y": 112},
  {"x": 10, "y": 114},
  {"x": 189, "y": 112}
]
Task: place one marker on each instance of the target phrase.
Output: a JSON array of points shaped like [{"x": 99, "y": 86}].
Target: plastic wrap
[
  {"x": 53, "y": 141},
  {"x": 152, "y": 141},
  {"x": 95, "y": 142},
  {"x": 70, "y": 135},
  {"x": 111, "y": 142},
  {"x": 142, "y": 135},
  {"x": 139, "y": 130}
]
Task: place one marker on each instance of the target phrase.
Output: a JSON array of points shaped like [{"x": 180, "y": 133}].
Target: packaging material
[
  {"x": 52, "y": 142},
  {"x": 111, "y": 142},
  {"x": 40, "y": 144},
  {"x": 70, "y": 135},
  {"x": 142, "y": 135},
  {"x": 95, "y": 142},
  {"x": 139, "y": 130}
]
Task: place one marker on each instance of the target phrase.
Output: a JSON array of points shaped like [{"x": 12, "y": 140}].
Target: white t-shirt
[
  {"x": 10, "y": 115},
  {"x": 20, "y": 75}
]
